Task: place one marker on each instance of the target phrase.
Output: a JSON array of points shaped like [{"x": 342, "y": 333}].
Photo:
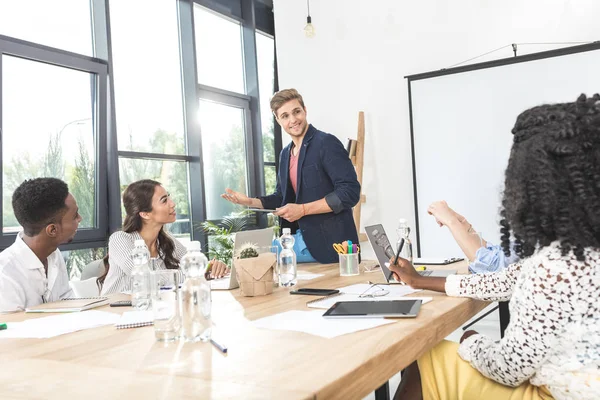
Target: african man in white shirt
[{"x": 32, "y": 270}]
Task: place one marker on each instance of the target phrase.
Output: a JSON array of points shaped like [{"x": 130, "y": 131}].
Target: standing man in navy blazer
[{"x": 316, "y": 183}]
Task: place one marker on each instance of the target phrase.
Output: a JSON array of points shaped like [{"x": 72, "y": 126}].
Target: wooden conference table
[{"x": 106, "y": 363}]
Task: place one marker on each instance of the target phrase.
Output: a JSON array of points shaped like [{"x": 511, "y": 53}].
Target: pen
[
  {"x": 3, "y": 327},
  {"x": 400, "y": 246},
  {"x": 221, "y": 348},
  {"x": 349, "y": 246}
]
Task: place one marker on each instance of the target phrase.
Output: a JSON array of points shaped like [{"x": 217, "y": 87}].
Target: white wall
[{"x": 363, "y": 49}]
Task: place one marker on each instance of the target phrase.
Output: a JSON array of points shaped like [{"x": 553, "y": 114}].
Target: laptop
[
  {"x": 260, "y": 237},
  {"x": 384, "y": 252}
]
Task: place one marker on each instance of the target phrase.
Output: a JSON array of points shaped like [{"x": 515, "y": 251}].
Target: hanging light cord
[{"x": 308, "y": 6}]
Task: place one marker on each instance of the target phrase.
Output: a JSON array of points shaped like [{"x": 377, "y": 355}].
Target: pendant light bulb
[{"x": 309, "y": 29}]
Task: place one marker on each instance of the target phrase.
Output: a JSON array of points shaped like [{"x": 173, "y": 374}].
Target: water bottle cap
[
  {"x": 402, "y": 221},
  {"x": 139, "y": 242},
  {"x": 194, "y": 245},
  {"x": 287, "y": 231}
]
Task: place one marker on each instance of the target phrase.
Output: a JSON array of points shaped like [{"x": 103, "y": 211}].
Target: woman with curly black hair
[{"x": 551, "y": 210}]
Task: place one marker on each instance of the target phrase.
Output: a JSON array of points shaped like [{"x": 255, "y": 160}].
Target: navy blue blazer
[{"x": 324, "y": 171}]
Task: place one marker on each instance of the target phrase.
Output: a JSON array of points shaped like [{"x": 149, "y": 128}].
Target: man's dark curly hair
[
  {"x": 552, "y": 182},
  {"x": 39, "y": 202}
]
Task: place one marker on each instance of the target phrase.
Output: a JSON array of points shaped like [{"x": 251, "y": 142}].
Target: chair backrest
[
  {"x": 86, "y": 288},
  {"x": 93, "y": 270}
]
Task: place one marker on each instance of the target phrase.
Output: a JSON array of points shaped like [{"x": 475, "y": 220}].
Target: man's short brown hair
[{"x": 282, "y": 97}]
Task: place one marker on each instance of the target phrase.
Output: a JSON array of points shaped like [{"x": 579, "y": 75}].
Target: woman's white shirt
[
  {"x": 553, "y": 338},
  {"x": 120, "y": 245}
]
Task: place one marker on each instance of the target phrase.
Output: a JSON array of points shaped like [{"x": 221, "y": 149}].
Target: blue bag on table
[{"x": 302, "y": 253}]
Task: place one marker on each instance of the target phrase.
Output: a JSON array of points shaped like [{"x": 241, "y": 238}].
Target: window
[
  {"x": 148, "y": 93},
  {"x": 58, "y": 142},
  {"x": 224, "y": 154},
  {"x": 64, "y": 24},
  {"x": 149, "y": 102},
  {"x": 76, "y": 260},
  {"x": 219, "y": 62},
  {"x": 265, "y": 53}
]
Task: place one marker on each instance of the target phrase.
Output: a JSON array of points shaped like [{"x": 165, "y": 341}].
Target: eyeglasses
[{"x": 374, "y": 291}]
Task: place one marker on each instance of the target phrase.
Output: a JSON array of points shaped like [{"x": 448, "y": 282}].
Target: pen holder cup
[{"x": 349, "y": 264}]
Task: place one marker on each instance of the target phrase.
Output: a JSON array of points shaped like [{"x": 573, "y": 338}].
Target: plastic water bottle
[
  {"x": 196, "y": 302},
  {"x": 403, "y": 232},
  {"x": 287, "y": 260},
  {"x": 140, "y": 276}
]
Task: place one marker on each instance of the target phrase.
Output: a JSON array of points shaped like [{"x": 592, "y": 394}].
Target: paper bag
[{"x": 255, "y": 275}]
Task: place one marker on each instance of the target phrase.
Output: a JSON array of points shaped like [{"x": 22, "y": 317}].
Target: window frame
[{"x": 85, "y": 237}]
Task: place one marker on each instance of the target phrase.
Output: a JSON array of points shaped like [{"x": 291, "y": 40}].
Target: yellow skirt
[{"x": 446, "y": 376}]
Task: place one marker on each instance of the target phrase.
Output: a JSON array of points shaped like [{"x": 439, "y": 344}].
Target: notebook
[
  {"x": 135, "y": 319},
  {"x": 69, "y": 305}
]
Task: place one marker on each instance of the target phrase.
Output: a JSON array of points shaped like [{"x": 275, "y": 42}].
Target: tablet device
[{"x": 372, "y": 309}]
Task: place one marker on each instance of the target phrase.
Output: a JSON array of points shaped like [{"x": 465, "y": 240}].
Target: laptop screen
[{"x": 383, "y": 248}]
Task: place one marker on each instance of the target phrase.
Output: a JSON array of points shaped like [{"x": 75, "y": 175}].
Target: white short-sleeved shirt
[{"x": 23, "y": 281}]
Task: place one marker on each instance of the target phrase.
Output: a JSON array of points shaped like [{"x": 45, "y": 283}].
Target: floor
[{"x": 489, "y": 326}]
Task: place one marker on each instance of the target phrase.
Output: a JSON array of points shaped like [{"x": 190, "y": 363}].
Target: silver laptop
[
  {"x": 260, "y": 237},
  {"x": 384, "y": 252}
]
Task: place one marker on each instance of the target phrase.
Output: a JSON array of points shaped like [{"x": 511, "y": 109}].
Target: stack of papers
[
  {"x": 352, "y": 293},
  {"x": 47, "y": 327}
]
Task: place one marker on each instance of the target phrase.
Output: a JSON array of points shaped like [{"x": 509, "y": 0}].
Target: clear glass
[
  {"x": 76, "y": 260},
  {"x": 224, "y": 155},
  {"x": 147, "y": 74},
  {"x": 166, "y": 304},
  {"x": 349, "y": 264},
  {"x": 220, "y": 62},
  {"x": 48, "y": 131},
  {"x": 265, "y": 57},
  {"x": 174, "y": 177},
  {"x": 65, "y": 24}
]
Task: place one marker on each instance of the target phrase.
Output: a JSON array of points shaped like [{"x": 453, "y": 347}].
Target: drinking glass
[{"x": 165, "y": 303}]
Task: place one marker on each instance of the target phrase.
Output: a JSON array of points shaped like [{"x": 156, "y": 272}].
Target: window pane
[
  {"x": 224, "y": 155},
  {"x": 148, "y": 93},
  {"x": 47, "y": 119},
  {"x": 219, "y": 62},
  {"x": 265, "y": 53},
  {"x": 270, "y": 179},
  {"x": 76, "y": 260},
  {"x": 64, "y": 24},
  {"x": 173, "y": 176}
]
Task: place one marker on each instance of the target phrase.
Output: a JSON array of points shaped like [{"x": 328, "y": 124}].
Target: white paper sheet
[
  {"x": 47, "y": 327},
  {"x": 305, "y": 276},
  {"x": 395, "y": 290},
  {"x": 312, "y": 322}
]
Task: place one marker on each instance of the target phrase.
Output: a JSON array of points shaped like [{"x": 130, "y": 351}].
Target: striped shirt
[{"x": 120, "y": 246}]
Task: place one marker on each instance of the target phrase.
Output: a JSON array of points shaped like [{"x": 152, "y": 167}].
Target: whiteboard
[{"x": 461, "y": 127}]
